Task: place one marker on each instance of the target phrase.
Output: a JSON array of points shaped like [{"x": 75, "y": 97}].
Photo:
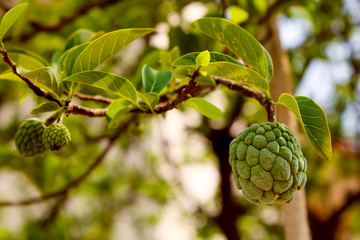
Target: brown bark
[{"x": 294, "y": 213}]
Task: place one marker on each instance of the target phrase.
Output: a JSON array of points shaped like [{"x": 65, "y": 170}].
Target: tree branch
[
  {"x": 95, "y": 98},
  {"x": 80, "y": 110},
  {"x": 271, "y": 10},
  {"x": 182, "y": 97},
  {"x": 38, "y": 91},
  {"x": 249, "y": 92},
  {"x": 224, "y": 6},
  {"x": 74, "y": 183},
  {"x": 38, "y": 28}
]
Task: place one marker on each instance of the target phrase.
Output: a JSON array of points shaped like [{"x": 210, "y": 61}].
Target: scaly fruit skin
[
  {"x": 268, "y": 164},
  {"x": 55, "y": 136},
  {"x": 28, "y": 137}
]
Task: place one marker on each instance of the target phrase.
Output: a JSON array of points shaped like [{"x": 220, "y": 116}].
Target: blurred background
[{"x": 168, "y": 177}]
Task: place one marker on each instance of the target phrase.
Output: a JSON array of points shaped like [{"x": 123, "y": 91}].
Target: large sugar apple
[
  {"x": 55, "y": 136},
  {"x": 268, "y": 164},
  {"x": 28, "y": 137}
]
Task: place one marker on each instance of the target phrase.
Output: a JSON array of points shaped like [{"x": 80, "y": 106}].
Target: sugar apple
[
  {"x": 28, "y": 137},
  {"x": 55, "y": 136},
  {"x": 268, "y": 164}
]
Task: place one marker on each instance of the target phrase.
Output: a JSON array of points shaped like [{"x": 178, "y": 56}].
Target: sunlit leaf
[
  {"x": 10, "y": 18},
  {"x": 234, "y": 72},
  {"x": 116, "y": 110},
  {"x": 10, "y": 76},
  {"x": 104, "y": 47},
  {"x": 203, "y": 59},
  {"x": 47, "y": 79},
  {"x": 108, "y": 82},
  {"x": 76, "y": 38},
  {"x": 313, "y": 119},
  {"x": 238, "y": 40},
  {"x": 203, "y": 106},
  {"x": 190, "y": 59},
  {"x": 27, "y": 59},
  {"x": 68, "y": 58},
  {"x": 45, "y": 107},
  {"x": 79, "y": 37},
  {"x": 150, "y": 99},
  {"x": 270, "y": 66},
  {"x": 238, "y": 15}
]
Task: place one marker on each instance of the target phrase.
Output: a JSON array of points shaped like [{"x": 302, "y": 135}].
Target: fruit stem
[{"x": 52, "y": 119}]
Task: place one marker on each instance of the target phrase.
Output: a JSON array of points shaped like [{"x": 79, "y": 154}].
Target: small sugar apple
[
  {"x": 28, "y": 137},
  {"x": 268, "y": 164},
  {"x": 55, "y": 136}
]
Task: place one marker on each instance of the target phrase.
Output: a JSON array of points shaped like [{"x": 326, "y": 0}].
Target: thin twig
[
  {"x": 249, "y": 92},
  {"x": 38, "y": 28},
  {"x": 90, "y": 112},
  {"x": 182, "y": 97},
  {"x": 101, "y": 112},
  {"x": 95, "y": 98},
  {"x": 38, "y": 91},
  {"x": 74, "y": 183}
]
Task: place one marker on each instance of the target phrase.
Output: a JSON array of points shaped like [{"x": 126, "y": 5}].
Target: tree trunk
[{"x": 295, "y": 219}]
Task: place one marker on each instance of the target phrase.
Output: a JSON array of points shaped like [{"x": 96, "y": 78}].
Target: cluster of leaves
[{"x": 85, "y": 51}]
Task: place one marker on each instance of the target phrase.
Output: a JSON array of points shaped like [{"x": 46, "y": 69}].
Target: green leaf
[
  {"x": 150, "y": 99},
  {"x": 27, "y": 59},
  {"x": 104, "y": 47},
  {"x": 203, "y": 59},
  {"x": 45, "y": 107},
  {"x": 155, "y": 81},
  {"x": 313, "y": 119},
  {"x": 204, "y": 107},
  {"x": 10, "y": 76},
  {"x": 24, "y": 59},
  {"x": 68, "y": 58},
  {"x": 270, "y": 66},
  {"x": 238, "y": 15},
  {"x": 10, "y": 18},
  {"x": 76, "y": 38},
  {"x": 236, "y": 73},
  {"x": 47, "y": 79},
  {"x": 116, "y": 110},
  {"x": 79, "y": 37},
  {"x": 108, "y": 82},
  {"x": 167, "y": 57},
  {"x": 182, "y": 72},
  {"x": 116, "y": 106},
  {"x": 203, "y": 73},
  {"x": 206, "y": 80},
  {"x": 238, "y": 40},
  {"x": 190, "y": 59}
]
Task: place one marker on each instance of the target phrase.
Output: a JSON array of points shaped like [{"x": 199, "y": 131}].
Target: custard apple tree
[{"x": 266, "y": 159}]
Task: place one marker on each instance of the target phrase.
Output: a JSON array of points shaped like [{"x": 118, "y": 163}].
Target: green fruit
[
  {"x": 268, "y": 164},
  {"x": 28, "y": 137},
  {"x": 55, "y": 136}
]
